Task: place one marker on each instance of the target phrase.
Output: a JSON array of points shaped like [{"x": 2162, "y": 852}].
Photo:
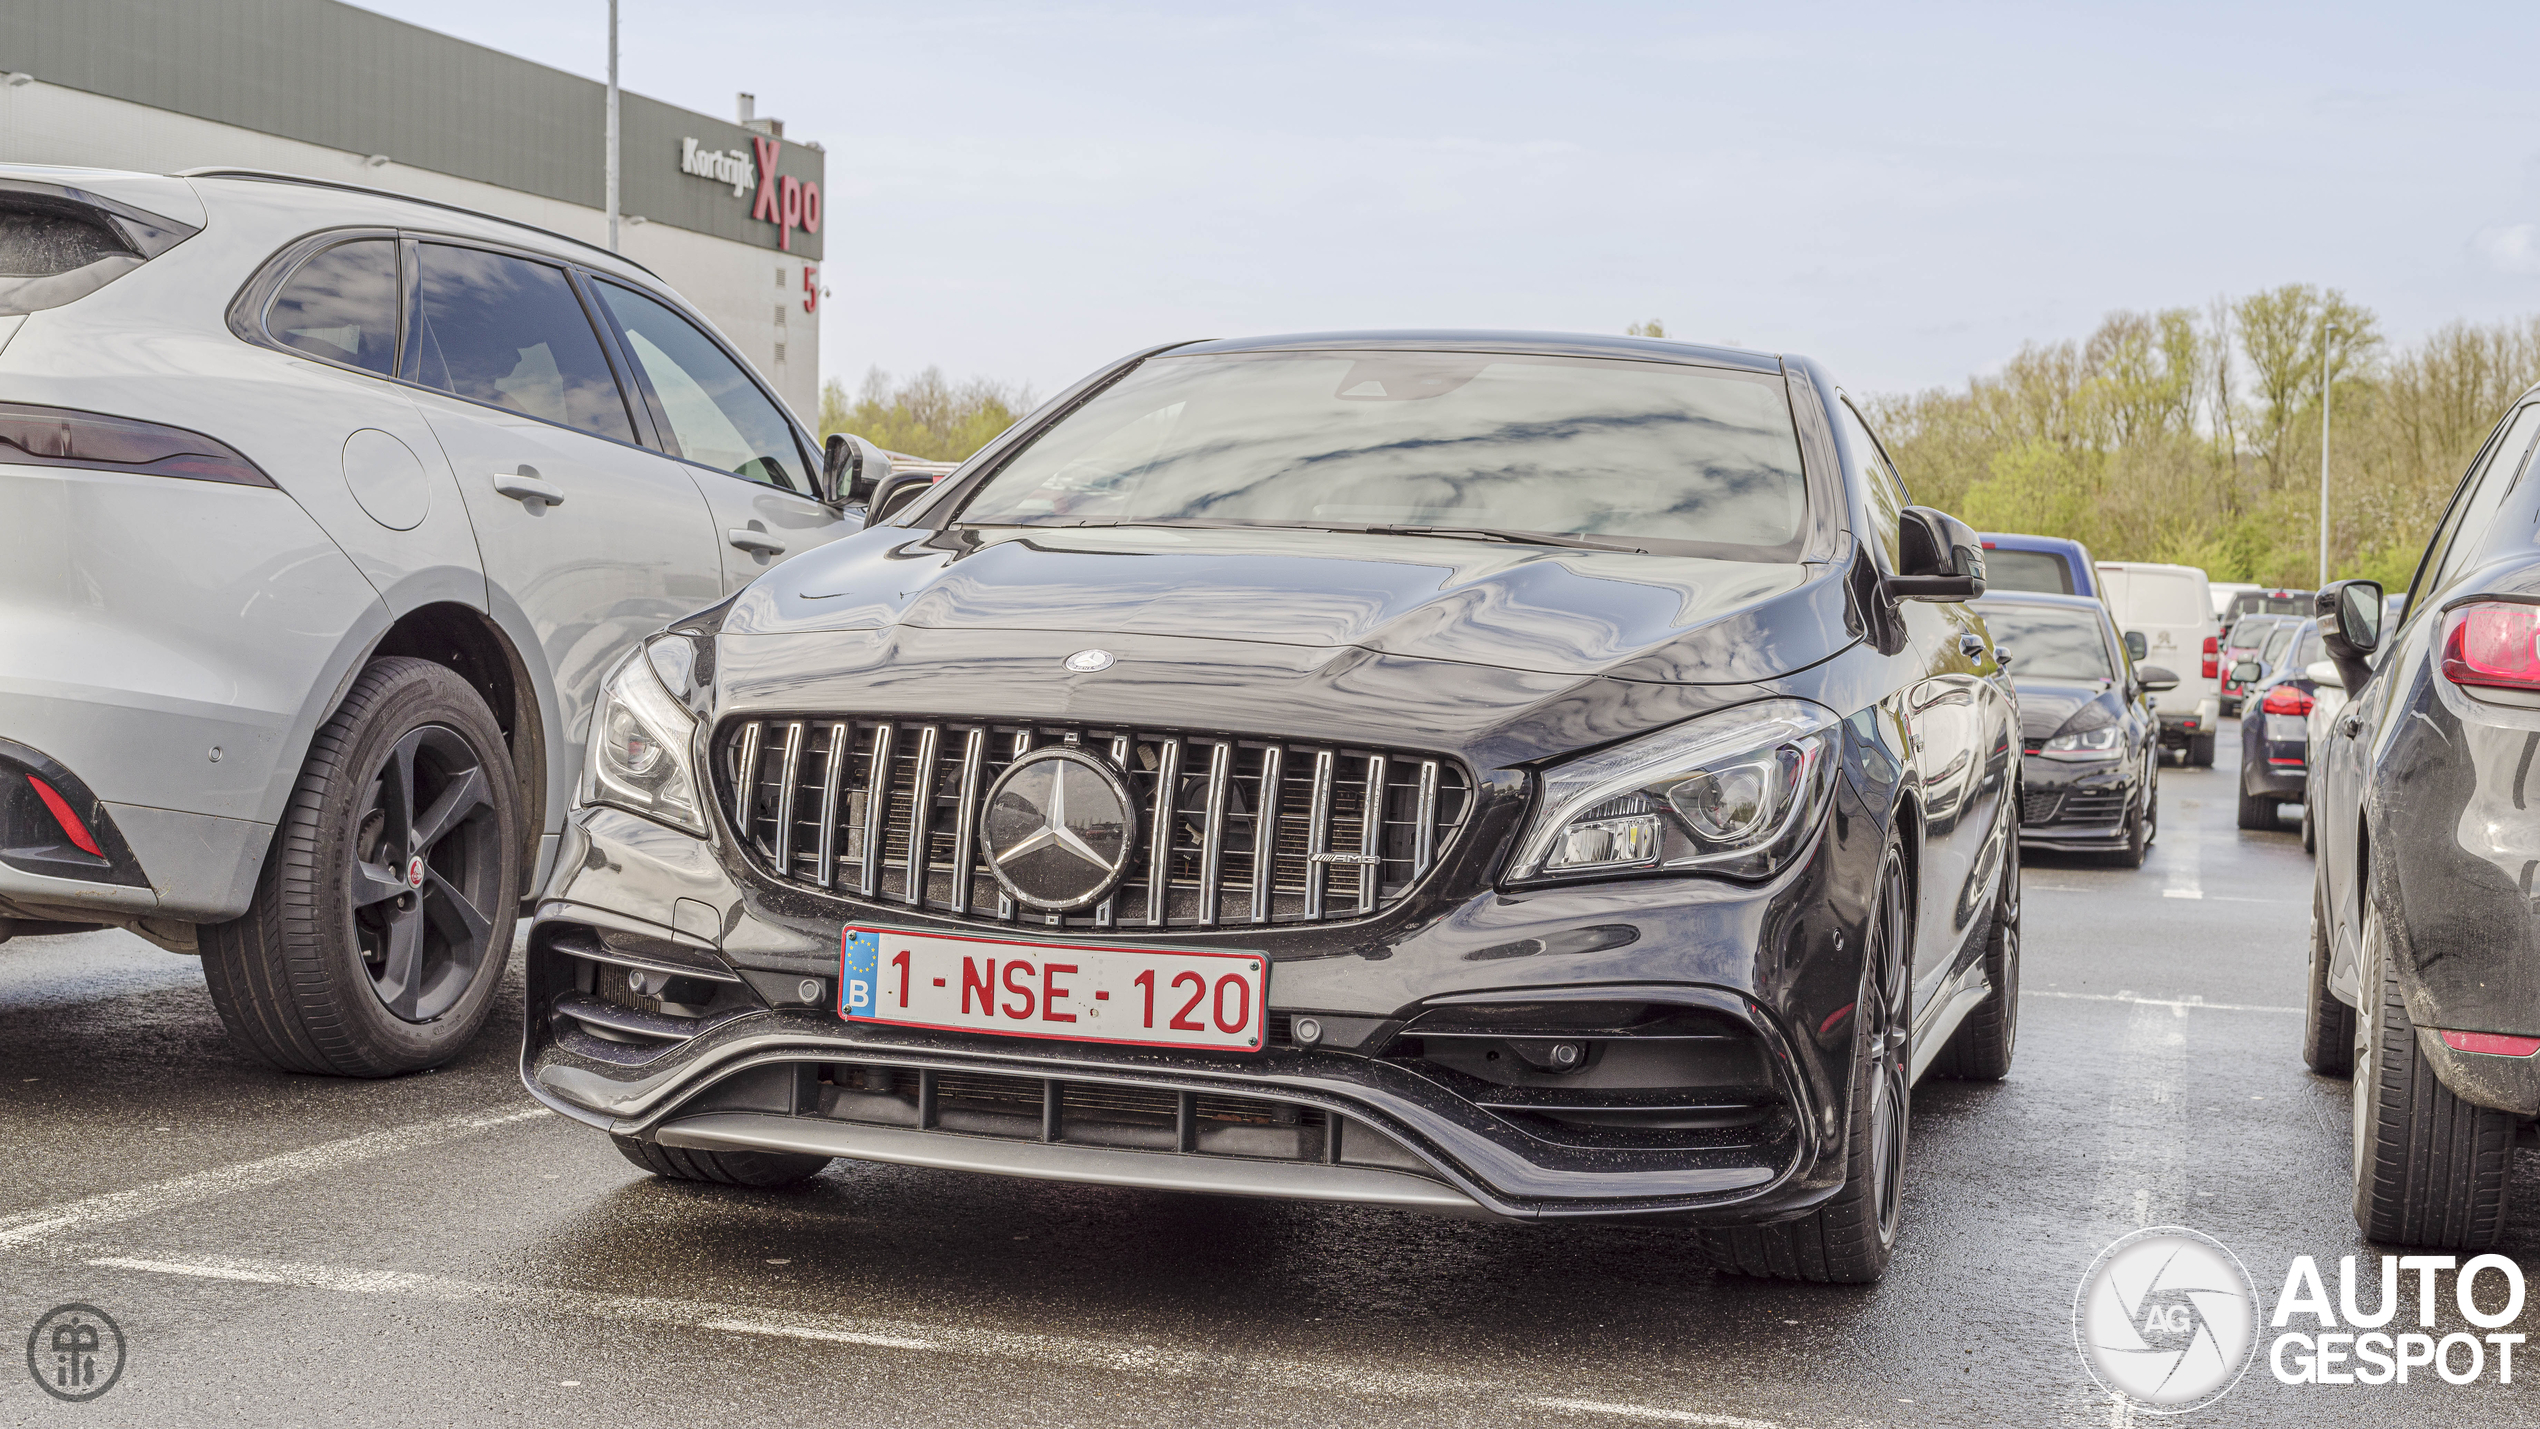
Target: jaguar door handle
[
  {"x": 524, "y": 487},
  {"x": 757, "y": 543}
]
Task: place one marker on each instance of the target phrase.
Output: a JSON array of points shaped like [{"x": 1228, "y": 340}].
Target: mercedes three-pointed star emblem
[{"x": 1058, "y": 828}]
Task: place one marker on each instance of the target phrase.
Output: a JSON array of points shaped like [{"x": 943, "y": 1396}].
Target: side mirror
[
  {"x": 895, "y": 494},
  {"x": 850, "y": 469},
  {"x": 2001, "y": 657},
  {"x": 2246, "y": 671},
  {"x": 2324, "y": 672},
  {"x": 2153, "y": 677},
  {"x": 2350, "y": 628},
  {"x": 1939, "y": 557},
  {"x": 2137, "y": 647}
]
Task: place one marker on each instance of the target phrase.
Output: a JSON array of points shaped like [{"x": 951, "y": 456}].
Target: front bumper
[
  {"x": 770, "y": 1066},
  {"x": 2075, "y": 806}
]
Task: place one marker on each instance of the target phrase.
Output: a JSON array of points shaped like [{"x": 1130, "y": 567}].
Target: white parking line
[
  {"x": 2184, "y": 1005},
  {"x": 113, "y": 1206},
  {"x": 1334, "y": 1374},
  {"x": 2184, "y": 855},
  {"x": 1663, "y": 1416}
]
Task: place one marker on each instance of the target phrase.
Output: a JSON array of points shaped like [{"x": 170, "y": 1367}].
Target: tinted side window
[
  {"x": 510, "y": 333},
  {"x": 1886, "y": 492},
  {"x": 342, "y": 305},
  {"x": 2027, "y": 570},
  {"x": 2465, "y": 529},
  {"x": 714, "y": 414}
]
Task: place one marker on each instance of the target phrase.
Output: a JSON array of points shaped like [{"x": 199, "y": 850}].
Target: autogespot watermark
[
  {"x": 75, "y": 1352},
  {"x": 2168, "y": 1320}
]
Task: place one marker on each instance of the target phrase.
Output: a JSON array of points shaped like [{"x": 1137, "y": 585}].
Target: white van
[{"x": 2167, "y": 615}]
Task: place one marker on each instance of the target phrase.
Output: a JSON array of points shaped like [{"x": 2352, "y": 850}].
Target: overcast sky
[{"x": 1906, "y": 192}]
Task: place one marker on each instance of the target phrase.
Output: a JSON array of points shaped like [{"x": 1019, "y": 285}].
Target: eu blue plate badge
[{"x": 861, "y": 954}]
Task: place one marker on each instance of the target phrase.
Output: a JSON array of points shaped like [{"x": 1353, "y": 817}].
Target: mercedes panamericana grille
[{"x": 1494, "y": 774}]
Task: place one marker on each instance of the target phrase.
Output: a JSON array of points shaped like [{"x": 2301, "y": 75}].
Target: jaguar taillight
[
  {"x": 2491, "y": 645},
  {"x": 58, "y": 436},
  {"x": 2286, "y": 700}
]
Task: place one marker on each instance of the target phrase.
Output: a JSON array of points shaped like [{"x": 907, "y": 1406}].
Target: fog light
[{"x": 1307, "y": 1031}]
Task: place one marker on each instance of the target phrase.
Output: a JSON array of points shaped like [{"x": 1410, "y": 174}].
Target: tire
[
  {"x": 2328, "y": 1025},
  {"x": 760, "y": 1169},
  {"x": 1849, "y": 1239},
  {"x": 2200, "y": 751},
  {"x": 374, "y": 946},
  {"x": 1980, "y": 1050},
  {"x": 2310, "y": 831},
  {"x": 2430, "y": 1169},
  {"x": 2258, "y": 811},
  {"x": 2138, "y": 840}
]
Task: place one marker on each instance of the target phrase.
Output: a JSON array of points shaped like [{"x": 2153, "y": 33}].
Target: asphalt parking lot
[{"x": 287, "y": 1250}]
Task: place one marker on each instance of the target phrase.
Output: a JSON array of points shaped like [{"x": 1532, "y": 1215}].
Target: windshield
[
  {"x": 2049, "y": 642},
  {"x": 1647, "y": 455}
]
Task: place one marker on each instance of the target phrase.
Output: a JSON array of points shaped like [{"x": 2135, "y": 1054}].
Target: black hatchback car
[
  {"x": 1499, "y": 774},
  {"x": 2090, "y": 739},
  {"x": 2275, "y": 740},
  {"x": 2424, "y": 981}
]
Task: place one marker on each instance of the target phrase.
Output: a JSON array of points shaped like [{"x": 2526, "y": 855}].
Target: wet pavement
[{"x": 435, "y": 1249}]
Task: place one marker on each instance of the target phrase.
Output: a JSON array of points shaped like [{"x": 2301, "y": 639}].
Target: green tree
[
  {"x": 926, "y": 416},
  {"x": 1652, "y": 328}
]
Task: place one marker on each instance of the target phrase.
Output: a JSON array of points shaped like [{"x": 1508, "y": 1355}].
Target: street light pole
[
  {"x": 2327, "y": 337},
  {"x": 612, "y": 160}
]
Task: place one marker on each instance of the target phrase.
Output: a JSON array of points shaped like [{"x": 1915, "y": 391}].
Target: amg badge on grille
[{"x": 1057, "y": 831}]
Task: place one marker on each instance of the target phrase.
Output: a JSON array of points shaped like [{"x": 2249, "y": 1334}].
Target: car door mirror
[
  {"x": 2246, "y": 671},
  {"x": 2136, "y": 646},
  {"x": 1938, "y": 557},
  {"x": 2350, "y": 628},
  {"x": 851, "y": 469},
  {"x": 2001, "y": 657},
  {"x": 896, "y": 493},
  {"x": 2324, "y": 672},
  {"x": 2152, "y": 677}
]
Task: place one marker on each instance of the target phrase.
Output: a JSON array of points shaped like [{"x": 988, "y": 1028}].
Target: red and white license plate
[{"x": 1081, "y": 992}]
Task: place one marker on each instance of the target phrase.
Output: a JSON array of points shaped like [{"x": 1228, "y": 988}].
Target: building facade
[{"x": 728, "y": 211}]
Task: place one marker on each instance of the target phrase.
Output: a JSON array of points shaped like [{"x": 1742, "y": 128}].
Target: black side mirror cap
[
  {"x": 2350, "y": 627},
  {"x": 1938, "y": 557},
  {"x": 895, "y": 493},
  {"x": 2155, "y": 678}
]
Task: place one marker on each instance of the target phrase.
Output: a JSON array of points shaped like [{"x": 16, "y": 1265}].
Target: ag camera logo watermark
[{"x": 2165, "y": 1319}]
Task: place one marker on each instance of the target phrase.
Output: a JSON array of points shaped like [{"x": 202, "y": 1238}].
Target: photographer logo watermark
[
  {"x": 2166, "y": 1319},
  {"x": 75, "y": 1352}
]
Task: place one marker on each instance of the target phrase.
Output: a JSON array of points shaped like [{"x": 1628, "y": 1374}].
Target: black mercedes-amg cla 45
[{"x": 1489, "y": 773}]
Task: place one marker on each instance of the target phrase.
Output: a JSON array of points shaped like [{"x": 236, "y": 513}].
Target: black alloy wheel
[
  {"x": 382, "y": 918},
  {"x": 1981, "y": 1048},
  {"x": 426, "y": 845},
  {"x": 1848, "y": 1240}
]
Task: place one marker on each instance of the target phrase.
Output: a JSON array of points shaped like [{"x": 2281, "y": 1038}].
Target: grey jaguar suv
[
  {"x": 326, "y": 511},
  {"x": 1498, "y": 774}
]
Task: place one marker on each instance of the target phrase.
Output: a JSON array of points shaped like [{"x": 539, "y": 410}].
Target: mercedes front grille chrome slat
[{"x": 1215, "y": 832}]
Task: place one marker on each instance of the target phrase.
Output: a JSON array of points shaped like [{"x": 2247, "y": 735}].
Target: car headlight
[
  {"x": 1735, "y": 793},
  {"x": 638, "y": 754},
  {"x": 2100, "y": 743}
]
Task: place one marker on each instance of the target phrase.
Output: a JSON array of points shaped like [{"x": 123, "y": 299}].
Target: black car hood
[
  {"x": 2047, "y": 705},
  {"x": 1542, "y": 610},
  {"x": 1501, "y": 653}
]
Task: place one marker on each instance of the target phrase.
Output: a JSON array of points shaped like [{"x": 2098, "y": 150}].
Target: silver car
[{"x": 328, "y": 512}]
